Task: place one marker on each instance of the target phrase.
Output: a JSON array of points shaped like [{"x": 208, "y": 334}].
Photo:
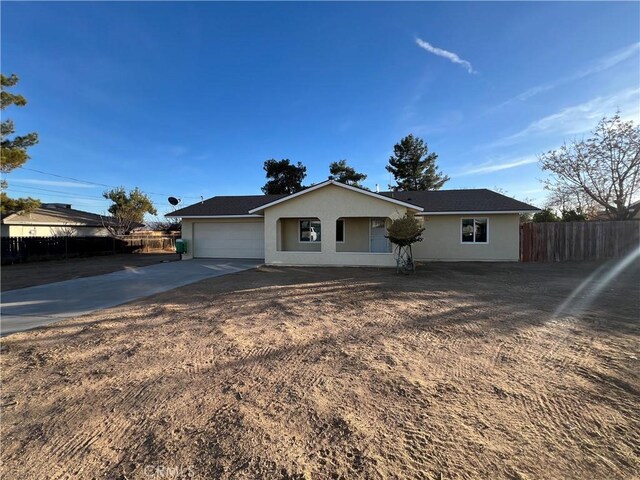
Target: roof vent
[{"x": 57, "y": 205}]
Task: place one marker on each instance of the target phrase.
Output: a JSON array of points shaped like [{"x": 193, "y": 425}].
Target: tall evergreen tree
[
  {"x": 341, "y": 172},
  {"x": 413, "y": 167},
  {"x": 13, "y": 151},
  {"x": 283, "y": 176},
  {"x": 11, "y": 205}
]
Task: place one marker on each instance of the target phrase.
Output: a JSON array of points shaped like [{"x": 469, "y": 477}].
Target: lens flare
[{"x": 585, "y": 293}]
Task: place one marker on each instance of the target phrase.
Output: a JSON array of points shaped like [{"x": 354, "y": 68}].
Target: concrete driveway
[{"x": 33, "y": 307}]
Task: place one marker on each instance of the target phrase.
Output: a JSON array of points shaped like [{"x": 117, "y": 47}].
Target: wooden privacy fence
[
  {"x": 146, "y": 244},
  {"x": 25, "y": 249},
  {"x": 575, "y": 241}
]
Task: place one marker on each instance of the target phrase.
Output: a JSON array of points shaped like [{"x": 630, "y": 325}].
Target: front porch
[
  {"x": 340, "y": 241},
  {"x": 352, "y": 235},
  {"x": 330, "y": 224}
]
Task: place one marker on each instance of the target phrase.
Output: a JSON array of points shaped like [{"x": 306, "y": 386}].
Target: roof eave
[
  {"x": 173, "y": 215},
  {"x": 484, "y": 212}
]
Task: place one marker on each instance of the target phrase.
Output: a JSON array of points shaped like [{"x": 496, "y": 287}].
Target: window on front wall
[
  {"x": 310, "y": 230},
  {"x": 475, "y": 230},
  {"x": 340, "y": 231}
]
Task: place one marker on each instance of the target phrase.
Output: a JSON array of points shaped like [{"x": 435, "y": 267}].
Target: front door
[{"x": 379, "y": 243}]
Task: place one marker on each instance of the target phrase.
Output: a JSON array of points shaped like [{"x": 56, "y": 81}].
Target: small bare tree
[
  {"x": 603, "y": 170},
  {"x": 565, "y": 199},
  {"x": 404, "y": 232},
  {"x": 166, "y": 225},
  {"x": 64, "y": 231}
]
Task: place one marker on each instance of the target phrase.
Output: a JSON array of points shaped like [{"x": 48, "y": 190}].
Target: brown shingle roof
[
  {"x": 469, "y": 200},
  {"x": 232, "y": 205},
  {"x": 440, "y": 201},
  {"x": 56, "y": 215}
]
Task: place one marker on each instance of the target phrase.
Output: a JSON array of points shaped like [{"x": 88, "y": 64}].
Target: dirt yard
[
  {"x": 461, "y": 371},
  {"x": 23, "y": 275}
]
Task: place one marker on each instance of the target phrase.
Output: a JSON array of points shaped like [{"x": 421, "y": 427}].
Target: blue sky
[{"x": 190, "y": 99}]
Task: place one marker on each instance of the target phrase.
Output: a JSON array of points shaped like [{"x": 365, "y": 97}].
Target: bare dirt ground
[
  {"x": 461, "y": 371},
  {"x": 23, "y": 275}
]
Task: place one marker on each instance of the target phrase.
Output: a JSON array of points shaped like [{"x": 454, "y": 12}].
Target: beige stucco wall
[
  {"x": 356, "y": 235},
  {"x": 186, "y": 233},
  {"x": 52, "y": 231},
  {"x": 328, "y": 204},
  {"x": 442, "y": 239}
]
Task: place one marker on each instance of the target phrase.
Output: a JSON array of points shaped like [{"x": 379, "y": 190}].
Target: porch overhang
[{"x": 408, "y": 206}]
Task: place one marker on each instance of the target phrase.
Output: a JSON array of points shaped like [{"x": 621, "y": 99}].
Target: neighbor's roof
[
  {"x": 56, "y": 215},
  {"x": 433, "y": 202}
]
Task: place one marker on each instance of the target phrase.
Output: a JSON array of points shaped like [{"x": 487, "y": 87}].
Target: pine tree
[
  {"x": 13, "y": 151},
  {"x": 283, "y": 176},
  {"x": 413, "y": 167},
  {"x": 341, "y": 172}
]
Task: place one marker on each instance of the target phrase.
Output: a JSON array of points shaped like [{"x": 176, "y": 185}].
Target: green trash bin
[{"x": 181, "y": 246}]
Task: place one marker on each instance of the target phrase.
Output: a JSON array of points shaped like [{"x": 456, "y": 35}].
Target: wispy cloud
[
  {"x": 578, "y": 118},
  {"x": 600, "y": 65},
  {"x": 53, "y": 183},
  {"x": 345, "y": 125},
  {"x": 496, "y": 167},
  {"x": 177, "y": 150},
  {"x": 452, "y": 57}
]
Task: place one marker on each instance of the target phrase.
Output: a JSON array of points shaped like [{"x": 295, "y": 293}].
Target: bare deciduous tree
[
  {"x": 564, "y": 199},
  {"x": 603, "y": 170}
]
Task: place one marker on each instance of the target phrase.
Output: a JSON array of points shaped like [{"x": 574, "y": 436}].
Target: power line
[
  {"x": 68, "y": 178},
  {"x": 94, "y": 183},
  {"x": 56, "y": 191},
  {"x": 63, "y": 194},
  {"x": 72, "y": 197}
]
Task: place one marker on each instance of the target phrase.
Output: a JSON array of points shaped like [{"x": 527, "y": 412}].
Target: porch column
[
  {"x": 271, "y": 237},
  {"x": 279, "y": 235},
  {"x": 328, "y": 240}
]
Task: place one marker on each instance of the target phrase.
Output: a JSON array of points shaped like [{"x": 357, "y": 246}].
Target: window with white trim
[
  {"x": 310, "y": 230},
  {"x": 340, "y": 230},
  {"x": 474, "y": 230}
]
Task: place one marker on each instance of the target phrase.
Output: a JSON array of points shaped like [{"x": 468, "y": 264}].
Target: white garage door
[{"x": 228, "y": 240}]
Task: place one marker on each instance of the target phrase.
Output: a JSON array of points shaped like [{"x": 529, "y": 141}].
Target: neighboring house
[
  {"x": 53, "y": 220},
  {"x": 335, "y": 224},
  {"x": 633, "y": 207}
]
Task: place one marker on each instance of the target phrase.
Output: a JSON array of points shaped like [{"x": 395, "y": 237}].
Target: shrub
[{"x": 405, "y": 231}]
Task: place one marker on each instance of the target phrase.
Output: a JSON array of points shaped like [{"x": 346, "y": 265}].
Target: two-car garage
[{"x": 228, "y": 239}]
